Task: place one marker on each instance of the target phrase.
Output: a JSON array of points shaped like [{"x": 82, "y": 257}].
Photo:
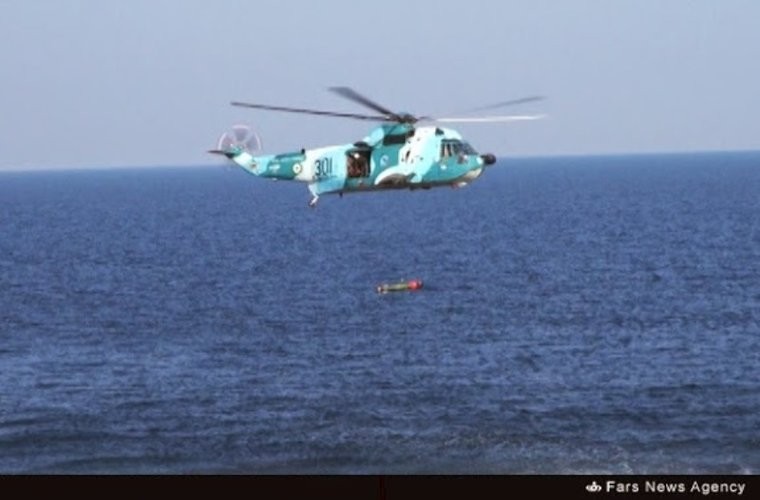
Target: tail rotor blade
[{"x": 240, "y": 132}]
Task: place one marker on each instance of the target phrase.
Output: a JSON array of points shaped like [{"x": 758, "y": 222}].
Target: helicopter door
[{"x": 357, "y": 163}]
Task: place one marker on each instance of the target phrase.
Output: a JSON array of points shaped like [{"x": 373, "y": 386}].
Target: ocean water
[{"x": 580, "y": 315}]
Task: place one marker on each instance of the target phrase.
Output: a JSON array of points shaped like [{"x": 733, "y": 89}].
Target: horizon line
[{"x": 59, "y": 168}]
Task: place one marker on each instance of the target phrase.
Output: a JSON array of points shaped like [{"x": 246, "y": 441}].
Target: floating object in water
[{"x": 402, "y": 286}]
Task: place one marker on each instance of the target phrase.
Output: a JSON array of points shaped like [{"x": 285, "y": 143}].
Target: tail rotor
[{"x": 239, "y": 139}]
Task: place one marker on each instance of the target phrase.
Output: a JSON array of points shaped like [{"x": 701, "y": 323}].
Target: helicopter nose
[{"x": 488, "y": 158}]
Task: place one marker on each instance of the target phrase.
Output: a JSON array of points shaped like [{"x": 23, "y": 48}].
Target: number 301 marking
[{"x": 323, "y": 167}]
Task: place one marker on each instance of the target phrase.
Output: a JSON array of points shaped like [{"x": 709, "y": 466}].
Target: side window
[{"x": 357, "y": 163}]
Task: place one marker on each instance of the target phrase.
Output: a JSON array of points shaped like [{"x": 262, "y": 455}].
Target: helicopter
[{"x": 396, "y": 154}]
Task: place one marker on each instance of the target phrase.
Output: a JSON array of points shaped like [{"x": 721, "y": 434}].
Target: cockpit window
[
  {"x": 467, "y": 149},
  {"x": 451, "y": 148}
]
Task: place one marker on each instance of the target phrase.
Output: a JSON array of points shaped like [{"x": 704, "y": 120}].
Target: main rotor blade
[
  {"x": 317, "y": 112},
  {"x": 488, "y": 119},
  {"x": 353, "y": 95},
  {"x": 504, "y": 104}
]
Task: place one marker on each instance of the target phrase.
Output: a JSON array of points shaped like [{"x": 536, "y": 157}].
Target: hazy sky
[{"x": 148, "y": 82}]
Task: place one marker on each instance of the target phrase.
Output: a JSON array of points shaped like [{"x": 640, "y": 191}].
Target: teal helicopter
[{"x": 403, "y": 152}]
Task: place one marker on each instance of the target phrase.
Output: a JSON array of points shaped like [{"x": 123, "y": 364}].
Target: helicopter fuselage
[{"x": 392, "y": 156}]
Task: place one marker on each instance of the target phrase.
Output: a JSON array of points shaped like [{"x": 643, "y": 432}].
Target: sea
[{"x": 579, "y": 315}]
